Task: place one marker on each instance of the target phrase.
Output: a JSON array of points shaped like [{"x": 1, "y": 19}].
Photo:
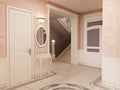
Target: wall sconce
[{"x": 41, "y": 20}]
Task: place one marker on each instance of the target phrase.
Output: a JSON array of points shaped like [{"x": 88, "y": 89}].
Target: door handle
[{"x": 29, "y": 51}]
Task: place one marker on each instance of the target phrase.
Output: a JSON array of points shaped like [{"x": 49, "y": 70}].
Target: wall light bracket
[{"x": 41, "y": 20}]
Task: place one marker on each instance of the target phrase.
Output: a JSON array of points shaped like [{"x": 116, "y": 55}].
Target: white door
[
  {"x": 93, "y": 29},
  {"x": 20, "y": 27}
]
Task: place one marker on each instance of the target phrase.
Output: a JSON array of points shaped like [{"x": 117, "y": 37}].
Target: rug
[{"x": 64, "y": 86}]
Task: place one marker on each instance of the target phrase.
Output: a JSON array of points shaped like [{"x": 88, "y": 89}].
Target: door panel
[
  {"x": 92, "y": 36},
  {"x": 20, "y": 23}
]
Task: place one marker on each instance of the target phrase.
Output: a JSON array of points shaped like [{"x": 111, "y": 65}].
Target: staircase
[
  {"x": 65, "y": 56},
  {"x": 66, "y": 23}
]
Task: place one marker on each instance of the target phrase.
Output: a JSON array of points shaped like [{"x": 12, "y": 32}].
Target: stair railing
[{"x": 65, "y": 22}]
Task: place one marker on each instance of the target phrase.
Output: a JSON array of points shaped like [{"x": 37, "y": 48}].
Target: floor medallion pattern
[{"x": 64, "y": 86}]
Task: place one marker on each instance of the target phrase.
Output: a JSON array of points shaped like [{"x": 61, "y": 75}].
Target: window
[{"x": 93, "y": 36}]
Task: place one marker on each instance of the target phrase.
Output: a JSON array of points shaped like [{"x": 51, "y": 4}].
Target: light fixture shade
[{"x": 41, "y": 20}]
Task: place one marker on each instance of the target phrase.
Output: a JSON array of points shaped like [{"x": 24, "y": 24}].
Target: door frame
[
  {"x": 8, "y": 41},
  {"x": 87, "y": 18},
  {"x": 74, "y": 19}
]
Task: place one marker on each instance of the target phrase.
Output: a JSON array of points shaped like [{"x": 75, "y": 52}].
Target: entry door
[
  {"x": 20, "y": 27},
  {"x": 93, "y": 29}
]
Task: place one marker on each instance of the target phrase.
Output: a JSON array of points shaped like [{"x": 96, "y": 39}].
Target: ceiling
[{"x": 79, "y": 6}]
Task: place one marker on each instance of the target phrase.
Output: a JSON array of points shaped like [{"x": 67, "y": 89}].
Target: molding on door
[
  {"x": 8, "y": 39},
  {"x": 86, "y": 58},
  {"x": 91, "y": 17}
]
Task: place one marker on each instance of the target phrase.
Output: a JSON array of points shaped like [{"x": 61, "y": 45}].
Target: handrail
[{"x": 65, "y": 22}]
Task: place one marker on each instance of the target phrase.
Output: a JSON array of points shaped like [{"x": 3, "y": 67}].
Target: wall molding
[
  {"x": 4, "y": 71},
  {"x": 92, "y": 11},
  {"x": 62, "y": 7},
  {"x": 73, "y": 11},
  {"x": 111, "y": 71},
  {"x": 43, "y": 64}
]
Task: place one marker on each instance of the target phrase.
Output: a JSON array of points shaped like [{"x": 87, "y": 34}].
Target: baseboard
[{"x": 111, "y": 71}]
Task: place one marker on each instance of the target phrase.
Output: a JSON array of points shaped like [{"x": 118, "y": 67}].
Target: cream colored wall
[
  {"x": 38, "y": 7},
  {"x": 2, "y": 30},
  {"x": 111, "y": 43},
  {"x": 111, "y": 28}
]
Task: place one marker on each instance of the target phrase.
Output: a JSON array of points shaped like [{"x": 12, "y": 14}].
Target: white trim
[
  {"x": 39, "y": 58},
  {"x": 33, "y": 47},
  {"x": 74, "y": 29},
  {"x": 111, "y": 71},
  {"x": 93, "y": 47},
  {"x": 8, "y": 39},
  {"x": 75, "y": 57},
  {"x": 16, "y": 8},
  {"x": 46, "y": 55},
  {"x": 89, "y": 16},
  {"x": 46, "y": 36},
  {"x": 48, "y": 30},
  {"x": 67, "y": 13},
  {"x": 4, "y": 61},
  {"x": 92, "y": 27},
  {"x": 8, "y": 44}
]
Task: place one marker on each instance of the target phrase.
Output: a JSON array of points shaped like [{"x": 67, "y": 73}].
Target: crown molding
[
  {"x": 92, "y": 11},
  {"x": 62, "y": 7}
]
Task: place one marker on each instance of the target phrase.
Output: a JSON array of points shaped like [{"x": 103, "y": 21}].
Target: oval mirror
[{"x": 41, "y": 37}]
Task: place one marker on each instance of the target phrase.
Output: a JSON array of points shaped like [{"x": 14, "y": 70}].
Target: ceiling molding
[
  {"x": 91, "y": 12},
  {"x": 62, "y": 7}
]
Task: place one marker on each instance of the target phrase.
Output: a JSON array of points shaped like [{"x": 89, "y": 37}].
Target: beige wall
[
  {"x": 81, "y": 32},
  {"x": 111, "y": 28},
  {"x": 111, "y": 43},
  {"x": 2, "y": 30},
  {"x": 38, "y": 7}
]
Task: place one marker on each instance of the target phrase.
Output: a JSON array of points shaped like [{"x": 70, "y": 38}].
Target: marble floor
[{"x": 74, "y": 74}]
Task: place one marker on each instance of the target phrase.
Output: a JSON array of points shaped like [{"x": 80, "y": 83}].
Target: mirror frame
[{"x": 36, "y": 37}]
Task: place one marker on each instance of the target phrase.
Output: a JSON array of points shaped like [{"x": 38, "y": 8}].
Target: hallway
[
  {"x": 65, "y": 56},
  {"x": 73, "y": 74},
  {"x": 29, "y": 43}
]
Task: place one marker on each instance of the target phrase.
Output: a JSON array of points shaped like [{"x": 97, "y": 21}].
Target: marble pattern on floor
[{"x": 67, "y": 73}]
